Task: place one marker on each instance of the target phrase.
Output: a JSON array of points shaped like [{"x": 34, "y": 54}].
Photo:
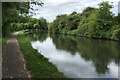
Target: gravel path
[{"x": 13, "y": 64}]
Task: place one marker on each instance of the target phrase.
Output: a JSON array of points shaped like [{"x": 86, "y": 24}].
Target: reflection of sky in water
[{"x": 73, "y": 66}]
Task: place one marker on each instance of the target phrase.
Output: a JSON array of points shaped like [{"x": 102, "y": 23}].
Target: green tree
[
  {"x": 42, "y": 23},
  {"x": 15, "y": 12},
  {"x": 105, "y": 15}
]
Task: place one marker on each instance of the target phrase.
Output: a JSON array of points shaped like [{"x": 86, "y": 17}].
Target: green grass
[
  {"x": 4, "y": 44},
  {"x": 39, "y": 66},
  {"x": 4, "y": 41}
]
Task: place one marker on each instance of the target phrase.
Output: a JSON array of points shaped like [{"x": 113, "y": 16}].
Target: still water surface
[{"x": 79, "y": 57}]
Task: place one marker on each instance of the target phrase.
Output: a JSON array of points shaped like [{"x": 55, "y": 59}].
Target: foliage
[
  {"x": 11, "y": 12},
  {"x": 92, "y": 22},
  {"x": 16, "y": 13},
  {"x": 116, "y": 32}
]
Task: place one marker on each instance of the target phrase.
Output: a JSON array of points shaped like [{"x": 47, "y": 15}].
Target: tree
[
  {"x": 14, "y": 12},
  {"x": 105, "y": 15},
  {"x": 42, "y": 23},
  {"x": 92, "y": 22}
]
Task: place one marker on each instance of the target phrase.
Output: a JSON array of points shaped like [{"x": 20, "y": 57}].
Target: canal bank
[
  {"x": 39, "y": 66},
  {"x": 79, "y": 57},
  {"x": 75, "y": 57}
]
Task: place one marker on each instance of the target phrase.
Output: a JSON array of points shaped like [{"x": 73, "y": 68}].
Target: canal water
[{"x": 79, "y": 57}]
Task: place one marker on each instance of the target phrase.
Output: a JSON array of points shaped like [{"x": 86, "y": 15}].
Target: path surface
[{"x": 13, "y": 64}]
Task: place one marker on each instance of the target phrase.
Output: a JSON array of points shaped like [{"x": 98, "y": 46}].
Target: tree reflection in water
[{"x": 100, "y": 52}]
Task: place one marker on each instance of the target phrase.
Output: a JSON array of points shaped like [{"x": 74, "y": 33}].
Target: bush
[{"x": 116, "y": 34}]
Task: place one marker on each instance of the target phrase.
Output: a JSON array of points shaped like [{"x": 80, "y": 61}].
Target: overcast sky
[{"x": 52, "y": 8}]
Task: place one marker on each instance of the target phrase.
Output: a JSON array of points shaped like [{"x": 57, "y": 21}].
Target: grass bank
[{"x": 39, "y": 66}]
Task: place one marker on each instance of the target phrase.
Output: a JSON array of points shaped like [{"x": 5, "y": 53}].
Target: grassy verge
[
  {"x": 4, "y": 41},
  {"x": 4, "y": 44},
  {"x": 35, "y": 62}
]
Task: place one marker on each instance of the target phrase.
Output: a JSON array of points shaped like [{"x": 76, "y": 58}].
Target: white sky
[{"x": 52, "y": 8}]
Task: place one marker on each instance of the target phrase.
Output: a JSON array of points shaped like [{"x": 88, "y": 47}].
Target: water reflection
[{"x": 78, "y": 57}]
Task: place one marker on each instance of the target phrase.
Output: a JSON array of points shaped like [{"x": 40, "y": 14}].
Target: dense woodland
[{"x": 91, "y": 22}]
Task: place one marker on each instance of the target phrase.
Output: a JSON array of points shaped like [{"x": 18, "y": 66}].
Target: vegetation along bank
[
  {"x": 92, "y": 22},
  {"x": 39, "y": 66}
]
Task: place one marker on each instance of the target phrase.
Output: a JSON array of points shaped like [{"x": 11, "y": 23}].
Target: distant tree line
[
  {"x": 92, "y": 22},
  {"x": 32, "y": 23}
]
